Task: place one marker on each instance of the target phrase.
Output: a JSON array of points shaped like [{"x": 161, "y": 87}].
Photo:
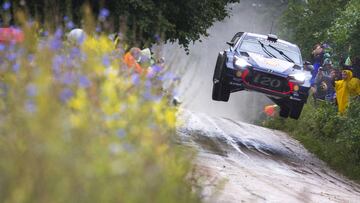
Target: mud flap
[{"x": 296, "y": 108}]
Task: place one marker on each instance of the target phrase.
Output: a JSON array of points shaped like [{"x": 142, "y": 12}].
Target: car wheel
[
  {"x": 221, "y": 90},
  {"x": 220, "y": 62},
  {"x": 284, "y": 111},
  {"x": 296, "y": 109}
]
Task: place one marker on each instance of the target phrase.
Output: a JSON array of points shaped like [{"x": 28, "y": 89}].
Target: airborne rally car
[{"x": 263, "y": 64}]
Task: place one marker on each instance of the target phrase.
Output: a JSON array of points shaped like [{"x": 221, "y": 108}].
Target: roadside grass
[
  {"x": 78, "y": 126},
  {"x": 334, "y": 138}
]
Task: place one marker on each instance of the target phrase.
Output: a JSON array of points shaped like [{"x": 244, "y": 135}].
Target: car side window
[{"x": 236, "y": 37}]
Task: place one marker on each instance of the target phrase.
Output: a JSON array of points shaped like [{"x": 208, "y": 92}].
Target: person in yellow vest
[{"x": 345, "y": 88}]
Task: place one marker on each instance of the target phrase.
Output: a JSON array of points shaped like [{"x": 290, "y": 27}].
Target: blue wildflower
[
  {"x": 84, "y": 82},
  {"x": 148, "y": 84},
  {"x": 45, "y": 33},
  {"x": 148, "y": 96},
  {"x": 158, "y": 98},
  {"x": 31, "y": 58},
  {"x": 56, "y": 65},
  {"x": 168, "y": 76},
  {"x": 128, "y": 147},
  {"x": 68, "y": 78},
  {"x": 16, "y": 67},
  {"x": 6, "y": 5},
  {"x": 98, "y": 29},
  {"x": 104, "y": 13},
  {"x": 156, "y": 68},
  {"x": 31, "y": 90},
  {"x": 66, "y": 94},
  {"x": 3, "y": 66},
  {"x": 121, "y": 133},
  {"x": 30, "y": 22},
  {"x": 11, "y": 56},
  {"x": 157, "y": 37},
  {"x": 2, "y": 47},
  {"x": 30, "y": 106},
  {"x": 56, "y": 44},
  {"x": 135, "y": 78},
  {"x": 161, "y": 78},
  {"x": 75, "y": 53},
  {"x": 70, "y": 63},
  {"x": 70, "y": 25},
  {"x": 58, "y": 33},
  {"x": 3, "y": 89},
  {"x": 106, "y": 61},
  {"x": 66, "y": 18}
]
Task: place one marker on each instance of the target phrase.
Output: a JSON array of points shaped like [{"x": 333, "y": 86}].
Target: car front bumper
[{"x": 238, "y": 84}]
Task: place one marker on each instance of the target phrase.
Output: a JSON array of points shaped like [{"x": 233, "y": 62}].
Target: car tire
[
  {"x": 284, "y": 111},
  {"x": 296, "y": 109},
  {"x": 220, "y": 63},
  {"x": 221, "y": 90}
]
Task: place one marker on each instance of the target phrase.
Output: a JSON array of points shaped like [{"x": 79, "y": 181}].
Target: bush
[
  {"x": 334, "y": 138},
  {"x": 77, "y": 126}
]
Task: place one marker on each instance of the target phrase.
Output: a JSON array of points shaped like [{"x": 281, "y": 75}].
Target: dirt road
[{"x": 240, "y": 162}]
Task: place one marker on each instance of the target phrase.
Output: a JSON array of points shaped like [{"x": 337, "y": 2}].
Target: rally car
[{"x": 263, "y": 64}]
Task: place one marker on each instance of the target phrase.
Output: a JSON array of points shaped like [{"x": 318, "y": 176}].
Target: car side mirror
[
  {"x": 309, "y": 67},
  {"x": 230, "y": 43}
]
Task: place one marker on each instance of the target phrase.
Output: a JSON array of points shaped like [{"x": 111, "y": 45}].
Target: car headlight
[
  {"x": 297, "y": 78},
  {"x": 241, "y": 63}
]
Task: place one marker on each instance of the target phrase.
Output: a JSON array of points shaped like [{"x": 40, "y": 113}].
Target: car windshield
[{"x": 254, "y": 46}]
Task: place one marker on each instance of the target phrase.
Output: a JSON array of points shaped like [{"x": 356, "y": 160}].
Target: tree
[
  {"x": 307, "y": 22},
  {"x": 143, "y": 20},
  {"x": 345, "y": 30}
]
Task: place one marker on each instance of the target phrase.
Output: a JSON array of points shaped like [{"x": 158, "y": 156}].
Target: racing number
[{"x": 267, "y": 81}]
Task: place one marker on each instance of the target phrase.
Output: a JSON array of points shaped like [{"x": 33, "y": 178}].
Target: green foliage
[
  {"x": 345, "y": 29},
  {"x": 334, "y": 138},
  {"x": 77, "y": 126},
  {"x": 142, "y": 20},
  {"x": 314, "y": 22}
]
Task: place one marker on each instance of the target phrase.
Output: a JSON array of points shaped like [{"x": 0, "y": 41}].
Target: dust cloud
[{"x": 196, "y": 69}]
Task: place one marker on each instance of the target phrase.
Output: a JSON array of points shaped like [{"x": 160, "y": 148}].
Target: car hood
[{"x": 274, "y": 64}]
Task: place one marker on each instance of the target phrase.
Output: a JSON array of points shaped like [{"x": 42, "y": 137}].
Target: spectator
[
  {"x": 323, "y": 80},
  {"x": 76, "y": 36},
  {"x": 317, "y": 59},
  {"x": 330, "y": 93},
  {"x": 356, "y": 67},
  {"x": 156, "y": 67},
  {"x": 270, "y": 110},
  {"x": 308, "y": 66},
  {"x": 131, "y": 58},
  {"x": 145, "y": 58},
  {"x": 348, "y": 64},
  {"x": 345, "y": 88},
  {"x": 320, "y": 85},
  {"x": 11, "y": 35},
  {"x": 327, "y": 66}
]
